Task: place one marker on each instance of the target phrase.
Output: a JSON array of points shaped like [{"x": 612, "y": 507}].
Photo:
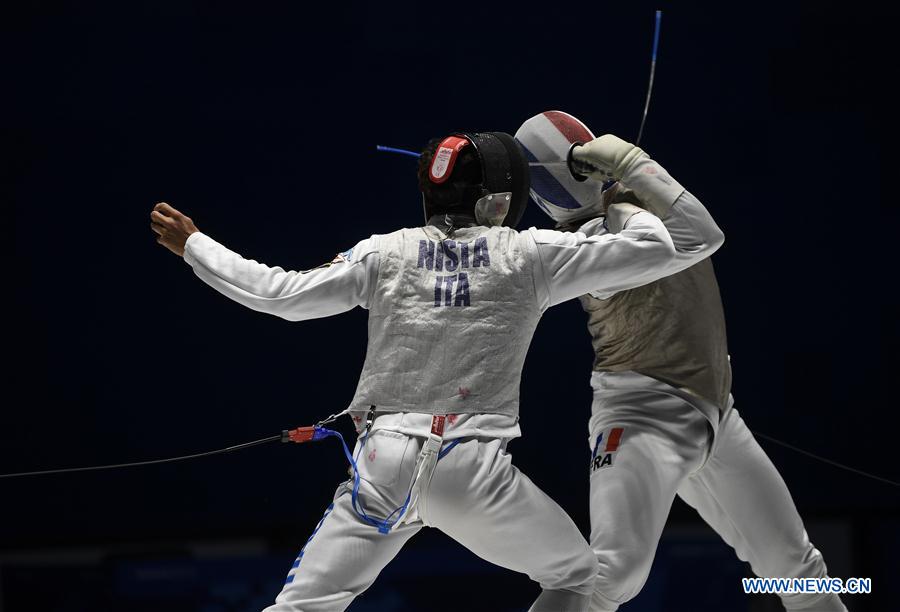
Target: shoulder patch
[{"x": 342, "y": 257}]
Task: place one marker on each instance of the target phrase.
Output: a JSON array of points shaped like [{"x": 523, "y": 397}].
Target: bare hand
[{"x": 172, "y": 226}]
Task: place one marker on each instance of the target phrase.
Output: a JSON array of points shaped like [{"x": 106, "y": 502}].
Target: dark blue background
[{"x": 261, "y": 123}]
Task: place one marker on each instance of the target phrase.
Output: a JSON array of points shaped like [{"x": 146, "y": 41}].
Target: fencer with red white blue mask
[{"x": 663, "y": 419}]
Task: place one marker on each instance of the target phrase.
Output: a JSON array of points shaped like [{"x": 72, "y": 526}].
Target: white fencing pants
[
  {"x": 476, "y": 496},
  {"x": 664, "y": 447}
]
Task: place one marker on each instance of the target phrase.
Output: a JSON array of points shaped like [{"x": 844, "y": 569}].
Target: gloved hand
[
  {"x": 604, "y": 158},
  {"x": 617, "y": 193}
]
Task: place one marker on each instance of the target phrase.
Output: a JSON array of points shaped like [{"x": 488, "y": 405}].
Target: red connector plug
[{"x": 298, "y": 435}]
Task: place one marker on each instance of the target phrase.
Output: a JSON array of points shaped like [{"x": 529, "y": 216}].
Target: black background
[{"x": 261, "y": 121}]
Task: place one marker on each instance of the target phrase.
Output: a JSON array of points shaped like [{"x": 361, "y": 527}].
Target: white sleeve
[
  {"x": 330, "y": 289},
  {"x": 694, "y": 233},
  {"x": 570, "y": 264},
  {"x": 693, "y": 230}
]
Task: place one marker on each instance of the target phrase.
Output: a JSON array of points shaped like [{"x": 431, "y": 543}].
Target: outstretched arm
[
  {"x": 330, "y": 289},
  {"x": 570, "y": 264}
]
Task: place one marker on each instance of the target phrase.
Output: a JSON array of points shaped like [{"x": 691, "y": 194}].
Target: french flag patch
[{"x": 605, "y": 447}]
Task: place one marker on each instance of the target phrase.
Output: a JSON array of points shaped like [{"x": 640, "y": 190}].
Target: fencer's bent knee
[
  {"x": 579, "y": 577},
  {"x": 577, "y": 574},
  {"x": 621, "y": 579},
  {"x": 794, "y": 557}
]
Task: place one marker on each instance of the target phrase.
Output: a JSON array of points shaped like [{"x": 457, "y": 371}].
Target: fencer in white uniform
[
  {"x": 663, "y": 421},
  {"x": 452, "y": 309}
]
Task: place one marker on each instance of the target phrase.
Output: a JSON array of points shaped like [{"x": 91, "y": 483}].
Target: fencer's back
[
  {"x": 450, "y": 321},
  {"x": 672, "y": 330}
]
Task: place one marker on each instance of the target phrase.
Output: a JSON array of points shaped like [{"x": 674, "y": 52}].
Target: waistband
[{"x": 609, "y": 386}]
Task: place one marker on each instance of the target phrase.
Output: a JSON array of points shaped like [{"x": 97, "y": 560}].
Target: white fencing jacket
[{"x": 450, "y": 318}]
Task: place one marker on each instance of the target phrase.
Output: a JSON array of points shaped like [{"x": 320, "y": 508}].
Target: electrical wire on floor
[
  {"x": 825, "y": 460},
  {"x": 305, "y": 434},
  {"x": 113, "y": 466}
]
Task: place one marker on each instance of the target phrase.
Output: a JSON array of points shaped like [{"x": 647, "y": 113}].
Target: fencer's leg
[
  {"x": 740, "y": 493},
  {"x": 482, "y": 501},
  {"x": 644, "y": 445},
  {"x": 344, "y": 555},
  {"x": 340, "y": 560}
]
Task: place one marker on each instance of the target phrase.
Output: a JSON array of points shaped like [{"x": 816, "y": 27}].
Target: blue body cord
[{"x": 386, "y": 525}]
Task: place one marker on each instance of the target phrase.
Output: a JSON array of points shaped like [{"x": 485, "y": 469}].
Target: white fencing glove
[
  {"x": 607, "y": 157},
  {"x": 611, "y": 158}
]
